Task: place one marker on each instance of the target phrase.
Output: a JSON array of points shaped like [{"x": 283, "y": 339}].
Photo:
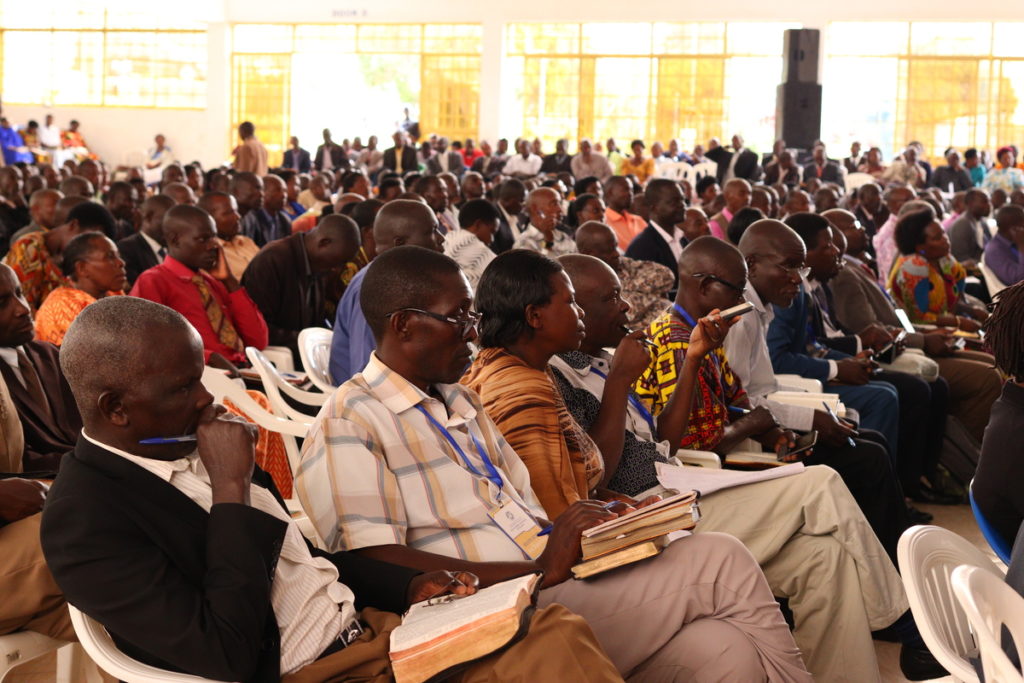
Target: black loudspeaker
[
  {"x": 798, "y": 113},
  {"x": 801, "y": 49}
]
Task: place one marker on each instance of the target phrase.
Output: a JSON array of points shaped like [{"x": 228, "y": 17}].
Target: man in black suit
[
  {"x": 445, "y": 161},
  {"x": 284, "y": 278},
  {"x": 296, "y": 158},
  {"x": 401, "y": 158},
  {"x": 186, "y": 553},
  {"x": 560, "y": 161},
  {"x": 511, "y": 198},
  {"x": 661, "y": 241},
  {"x": 738, "y": 163},
  {"x": 146, "y": 248},
  {"x": 329, "y": 156},
  {"x": 824, "y": 169}
]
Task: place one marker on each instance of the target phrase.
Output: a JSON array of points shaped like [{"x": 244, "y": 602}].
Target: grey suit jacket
[
  {"x": 858, "y": 301},
  {"x": 963, "y": 240}
]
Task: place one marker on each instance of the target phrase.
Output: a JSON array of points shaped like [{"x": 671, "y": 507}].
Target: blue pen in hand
[
  {"x": 168, "y": 439},
  {"x": 737, "y": 409},
  {"x": 551, "y": 527},
  {"x": 828, "y": 409}
]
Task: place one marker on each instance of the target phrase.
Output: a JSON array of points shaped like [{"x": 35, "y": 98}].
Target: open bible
[
  {"x": 637, "y": 535},
  {"x": 439, "y": 636}
]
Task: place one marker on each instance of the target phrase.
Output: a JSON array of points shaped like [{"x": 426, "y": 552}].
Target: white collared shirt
[
  {"x": 533, "y": 239},
  {"x": 310, "y": 604},
  {"x": 155, "y": 246},
  {"x": 9, "y": 355},
  {"x": 675, "y": 240},
  {"x": 746, "y": 347}
]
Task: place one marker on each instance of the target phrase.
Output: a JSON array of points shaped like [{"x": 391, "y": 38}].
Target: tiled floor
[{"x": 956, "y": 518}]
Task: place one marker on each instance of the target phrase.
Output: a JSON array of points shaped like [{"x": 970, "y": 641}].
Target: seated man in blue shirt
[
  {"x": 402, "y": 221},
  {"x": 1003, "y": 252}
]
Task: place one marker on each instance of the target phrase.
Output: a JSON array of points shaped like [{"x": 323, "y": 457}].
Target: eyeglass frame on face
[
  {"x": 465, "y": 324},
  {"x": 715, "y": 278},
  {"x": 800, "y": 271}
]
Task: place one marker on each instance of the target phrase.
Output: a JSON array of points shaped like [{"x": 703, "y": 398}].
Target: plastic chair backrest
[
  {"x": 274, "y": 384},
  {"x": 698, "y": 171},
  {"x": 999, "y": 545},
  {"x": 101, "y": 648},
  {"x": 927, "y": 556},
  {"x": 992, "y": 281},
  {"x": 990, "y": 604},
  {"x": 23, "y": 646},
  {"x": 315, "y": 353}
]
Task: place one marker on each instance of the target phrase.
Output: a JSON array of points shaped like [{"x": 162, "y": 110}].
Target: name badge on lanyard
[{"x": 511, "y": 517}]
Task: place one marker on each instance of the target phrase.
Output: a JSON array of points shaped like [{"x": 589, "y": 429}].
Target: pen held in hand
[
  {"x": 642, "y": 340},
  {"x": 828, "y": 409},
  {"x": 551, "y": 527},
  {"x": 168, "y": 439}
]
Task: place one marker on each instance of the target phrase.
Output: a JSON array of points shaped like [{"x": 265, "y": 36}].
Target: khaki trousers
[
  {"x": 559, "y": 647},
  {"x": 699, "y": 611},
  {"x": 974, "y": 385},
  {"x": 816, "y": 550},
  {"x": 30, "y": 597}
]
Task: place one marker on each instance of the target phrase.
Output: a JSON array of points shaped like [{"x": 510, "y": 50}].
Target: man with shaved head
[
  {"x": 595, "y": 386},
  {"x": 645, "y": 284},
  {"x": 286, "y": 279},
  {"x": 194, "y": 281},
  {"x": 236, "y": 249},
  {"x": 402, "y": 221},
  {"x": 180, "y": 193},
  {"x": 185, "y": 552},
  {"x": 1003, "y": 252},
  {"x": 970, "y": 234},
  {"x": 543, "y": 233},
  {"x": 737, "y": 196},
  {"x": 146, "y": 248},
  {"x": 42, "y": 206},
  {"x": 248, "y": 191},
  {"x": 662, "y": 241},
  {"x": 77, "y": 185},
  {"x": 275, "y": 196},
  {"x": 618, "y": 195}
]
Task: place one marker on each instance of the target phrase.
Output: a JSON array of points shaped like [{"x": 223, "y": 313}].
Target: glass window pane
[
  {"x": 946, "y": 38},
  {"x": 262, "y": 38},
  {"x": 452, "y": 38},
  {"x": 27, "y": 86},
  {"x": 546, "y": 97},
  {"x": 450, "y": 96},
  {"x": 260, "y": 86},
  {"x": 869, "y": 120},
  {"x": 76, "y": 62},
  {"x": 1007, "y": 40},
  {"x": 392, "y": 38},
  {"x": 621, "y": 98},
  {"x": 867, "y": 38},
  {"x": 747, "y": 80},
  {"x": 616, "y": 39},
  {"x": 1009, "y": 98},
  {"x": 689, "y": 39},
  {"x": 543, "y": 39},
  {"x": 146, "y": 69},
  {"x": 325, "y": 38},
  {"x": 689, "y": 99},
  {"x": 757, "y": 38}
]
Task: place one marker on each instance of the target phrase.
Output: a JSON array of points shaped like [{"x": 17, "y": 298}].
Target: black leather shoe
[
  {"x": 918, "y": 664},
  {"x": 915, "y": 516},
  {"x": 926, "y": 495}
]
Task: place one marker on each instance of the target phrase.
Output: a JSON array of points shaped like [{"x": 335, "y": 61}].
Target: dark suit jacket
[
  {"x": 408, "y": 161},
  {"x": 283, "y": 287},
  {"x": 178, "y": 587},
  {"x": 338, "y": 158},
  {"x": 794, "y": 332},
  {"x": 456, "y": 164},
  {"x": 747, "y": 165},
  {"x": 137, "y": 257},
  {"x": 830, "y": 173},
  {"x": 289, "y": 159},
  {"x": 650, "y": 246},
  {"x": 505, "y": 235},
  {"x": 51, "y": 430},
  {"x": 552, "y": 164}
]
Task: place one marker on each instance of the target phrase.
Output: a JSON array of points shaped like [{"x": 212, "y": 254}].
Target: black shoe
[
  {"x": 915, "y": 516},
  {"x": 926, "y": 495},
  {"x": 918, "y": 664}
]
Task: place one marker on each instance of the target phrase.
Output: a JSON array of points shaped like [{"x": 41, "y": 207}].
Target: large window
[
  {"x": 943, "y": 84},
  {"x": 356, "y": 80},
  {"x": 654, "y": 81},
  {"x": 66, "y": 53}
]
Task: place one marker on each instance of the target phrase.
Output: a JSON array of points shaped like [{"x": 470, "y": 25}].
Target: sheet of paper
[{"x": 708, "y": 480}]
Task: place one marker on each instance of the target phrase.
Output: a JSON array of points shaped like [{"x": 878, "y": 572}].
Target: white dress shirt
[
  {"x": 533, "y": 239},
  {"x": 49, "y": 136},
  {"x": 675, "y": 240},
  {"x": 746, "y": 347},
  {"x": 310, "y": 604},
  {"x": 517, "y": 165},
  {"x": 9, "y": 355}
]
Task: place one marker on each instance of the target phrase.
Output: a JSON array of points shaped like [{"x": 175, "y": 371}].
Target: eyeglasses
[
  {"x": 464, "y": 324},
  {"x": 800, "y": 271},
  {"x": 712, "y": 276}
]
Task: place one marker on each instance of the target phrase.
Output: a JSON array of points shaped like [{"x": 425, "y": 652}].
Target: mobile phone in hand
[
  {"x": 803, "y": 445},
  {"x": 739, "y": 309}
]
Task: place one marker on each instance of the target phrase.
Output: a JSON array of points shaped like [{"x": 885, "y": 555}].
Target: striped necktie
[{"x": 222, "y": 326}]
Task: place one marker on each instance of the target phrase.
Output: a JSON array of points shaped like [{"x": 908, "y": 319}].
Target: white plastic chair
[
  {"x": 24, "y": 646},
  {"x": 315, "y": 353},
  {"x": 698, "y": 459},
  {"x": 677, "y": 170},
  {"x": 989, "y": 604},
  {"x": 281, "y": 357},
  {"x": 992, "y": 281},
  {"x": 857, "y": 180},
  {"x": 100, "y": 646},
  {"x": 798, "y": 383},
  {"x": 698, "y": 171},
  {"x": 927, "y": 556},
  {"x": 274, "y": 384}
]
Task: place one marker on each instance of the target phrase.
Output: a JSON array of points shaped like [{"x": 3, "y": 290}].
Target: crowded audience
[{"x": 527, "y": 336}]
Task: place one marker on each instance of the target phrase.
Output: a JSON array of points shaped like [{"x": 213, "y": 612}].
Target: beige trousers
[
  {"x": 818, "y": 551},
  {"x": 559, "y": 647},
  {"x": 29, "y": 597},
  {"x": 699, "y": 611}
]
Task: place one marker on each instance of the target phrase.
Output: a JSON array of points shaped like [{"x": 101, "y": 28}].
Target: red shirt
[{"x": 170, "y": 284}]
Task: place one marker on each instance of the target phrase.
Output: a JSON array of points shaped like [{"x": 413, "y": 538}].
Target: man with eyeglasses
[{"x": 402, "y": 221}]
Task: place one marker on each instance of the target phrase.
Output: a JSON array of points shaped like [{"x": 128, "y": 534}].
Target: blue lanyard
[
  {"x": 636, "y": 402},
  {"x": 684, "y": 315},
  {"x": 492, "y": 472}
]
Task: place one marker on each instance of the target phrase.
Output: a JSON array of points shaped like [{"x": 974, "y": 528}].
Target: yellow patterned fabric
[{"x": 717, "y": 385}]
